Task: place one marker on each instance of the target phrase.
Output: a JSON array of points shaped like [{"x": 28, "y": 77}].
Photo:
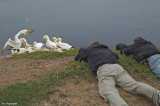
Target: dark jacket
[
  {"x": 141, "y": 50},
  {"x": 97, "y": 56}
]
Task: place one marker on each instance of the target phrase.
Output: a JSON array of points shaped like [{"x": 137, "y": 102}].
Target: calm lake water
[{"x": 80, "y": 22}]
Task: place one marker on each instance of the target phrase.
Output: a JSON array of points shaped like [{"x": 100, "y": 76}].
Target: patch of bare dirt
[
  {"x": 84, "y": 93},
  {"x": 21, "y": 70}
]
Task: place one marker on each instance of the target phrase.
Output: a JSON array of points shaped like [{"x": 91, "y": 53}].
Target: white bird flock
[{"x": 55, "y": 45}]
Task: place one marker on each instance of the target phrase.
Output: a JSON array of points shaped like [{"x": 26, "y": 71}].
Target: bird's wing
[
  {"x": 41, "y": 44},
  {"x": 25, "y": 32},
  {"x": 6, "y": 44},
  {"x": 53, "y": 44},
  {"x": 14, "y": 44},
  {"x": 65, "y": 45}
]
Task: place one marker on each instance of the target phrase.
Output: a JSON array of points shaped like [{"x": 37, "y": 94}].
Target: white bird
[
  {"x": 37, "y": 45},
  {"x": 49, "y": 43},
  {"x": 62, "y": 45},
  {"x": 16, "y": 43},
  {"x": 57, "y": 49},
  {"x": 28, "y": 49},
  {"x": 54, "y": 39},
  {"x": 18, "y": 51}
]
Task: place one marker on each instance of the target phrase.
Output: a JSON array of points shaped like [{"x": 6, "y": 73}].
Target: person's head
[
  {"x": 95, "y": 43},
  {"x": 137, "y": 39}
]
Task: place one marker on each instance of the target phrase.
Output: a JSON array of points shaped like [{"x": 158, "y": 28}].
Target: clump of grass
[
  {"x": 80, "y": 69},
  {"x": 25, "y": 93},
  {"x": 54, "y": 102},
  {"x": 45, "y": 54},
  {"x": 157, "y": 46}
]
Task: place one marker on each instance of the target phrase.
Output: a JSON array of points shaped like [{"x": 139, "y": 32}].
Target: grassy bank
[
  {"x": 46, "y": 54},
  {"x": 29, "y": 93}
]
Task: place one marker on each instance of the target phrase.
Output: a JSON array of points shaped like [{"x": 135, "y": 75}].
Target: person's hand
[{"x": 121, "y": 51}]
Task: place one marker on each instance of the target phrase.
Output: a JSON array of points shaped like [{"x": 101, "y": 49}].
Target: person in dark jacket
[
  {"x": 143, "y": 50},
  {"x": 104, "y": 63},
  {"x": 95, "y": 60}
]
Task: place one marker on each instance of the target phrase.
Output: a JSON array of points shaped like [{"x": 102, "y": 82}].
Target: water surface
[{"x": 80, "y": 22}]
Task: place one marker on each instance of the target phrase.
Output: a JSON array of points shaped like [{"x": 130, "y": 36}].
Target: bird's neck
[
  {"x": 16, "y": 37},
  {"x": 59, "y": 42},
  {"x": 48, "y": 40}
]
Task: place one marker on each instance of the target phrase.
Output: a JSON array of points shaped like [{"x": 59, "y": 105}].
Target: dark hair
[
  {"x": 95, "y": 43},
  {"x": 137, "y": 39}
]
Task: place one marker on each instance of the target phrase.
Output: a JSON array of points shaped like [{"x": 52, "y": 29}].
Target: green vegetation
[
  {"x": 24, "y": 93},
  {"x": 30, "y": 93},
  {"x": 45, "y": 54}
]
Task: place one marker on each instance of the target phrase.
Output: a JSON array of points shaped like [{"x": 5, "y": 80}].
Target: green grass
[
  {"x": 24, "y": 93},
  {"x": 45, "y": 54}
]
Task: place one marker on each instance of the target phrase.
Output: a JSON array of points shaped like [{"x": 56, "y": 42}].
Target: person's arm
[
  {"x": 128, "y": 50},
  {"x": 116, "y": 55},
  {"x": 120, "y": 46},
  {"x": 82, "y": 55},
  {"x": 125, "y": 48}
]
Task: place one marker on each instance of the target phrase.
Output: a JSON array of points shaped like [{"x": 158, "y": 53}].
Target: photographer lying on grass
[
  {"x": 143, "y": 50},
  {"x": 104, "y": 63}
]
